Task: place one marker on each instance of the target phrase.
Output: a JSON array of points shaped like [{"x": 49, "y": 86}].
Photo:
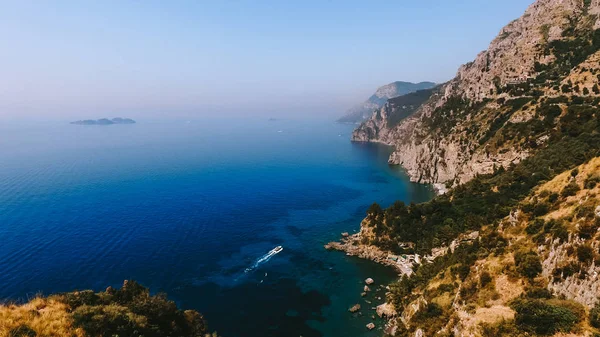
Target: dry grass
[
  {"x": 582, "y": 76},
  {"x": 445, "y": 300},
  {"x": 495, "y": 314},
  {"x": 45, "y": 316},
  {"x": 560, "y": 181},
  {"x": 444, "y": 277},
  {"x": 508, "y": 290}
]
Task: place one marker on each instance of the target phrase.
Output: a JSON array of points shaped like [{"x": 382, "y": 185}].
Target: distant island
[{"x": 105, "y": 121}]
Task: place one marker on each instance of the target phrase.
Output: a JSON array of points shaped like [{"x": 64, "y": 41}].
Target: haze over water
[{"x": 185, "y": 207}]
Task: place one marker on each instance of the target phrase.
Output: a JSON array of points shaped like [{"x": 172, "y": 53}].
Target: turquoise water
[{"x": 187, "y": 207}]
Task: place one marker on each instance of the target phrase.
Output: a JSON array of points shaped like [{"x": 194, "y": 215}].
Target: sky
[{"x": 186, "y": 59}]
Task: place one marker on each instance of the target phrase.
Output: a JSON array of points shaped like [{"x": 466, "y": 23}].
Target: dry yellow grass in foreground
[{"x": 39, "y": 317}]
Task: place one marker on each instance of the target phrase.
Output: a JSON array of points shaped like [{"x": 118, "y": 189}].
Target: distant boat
[{"x": 264, "y": 258}]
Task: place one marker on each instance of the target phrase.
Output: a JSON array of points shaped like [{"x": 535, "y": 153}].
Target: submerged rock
[{"x": 354, "y": 308}]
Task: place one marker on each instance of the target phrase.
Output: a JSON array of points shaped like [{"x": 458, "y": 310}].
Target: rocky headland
[{"x": 364, "y": 110}]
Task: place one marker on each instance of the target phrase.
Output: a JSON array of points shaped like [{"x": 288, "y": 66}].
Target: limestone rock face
[
  {"x": 386, "y": 310},
  {"x": 459, "y": 131},
  {"x": 586, "y": 289}
]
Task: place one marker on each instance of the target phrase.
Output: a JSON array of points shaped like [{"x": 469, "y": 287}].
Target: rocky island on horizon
[{"x": 104, "y": 121}]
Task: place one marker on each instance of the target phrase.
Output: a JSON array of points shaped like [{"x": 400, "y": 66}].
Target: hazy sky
[{"x": 190, "y": 58}]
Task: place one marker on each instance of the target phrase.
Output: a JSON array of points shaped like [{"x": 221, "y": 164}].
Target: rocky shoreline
[{"x": 352, "y": 246}]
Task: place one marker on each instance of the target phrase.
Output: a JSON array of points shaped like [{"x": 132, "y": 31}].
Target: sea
[{"x": 192, "y": 209}]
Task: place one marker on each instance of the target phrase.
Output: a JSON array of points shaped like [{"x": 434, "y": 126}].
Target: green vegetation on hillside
[
  {"x": 402, "y": 107},
  {"x": 130, "y": 311},
  {"x": 488, "y": 198},
  {"x": 485, "y": 201}
]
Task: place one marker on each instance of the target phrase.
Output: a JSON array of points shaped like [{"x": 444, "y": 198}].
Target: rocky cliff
[
  {"x": 467, "y": 126},
  {"x": 364, "y": 110},
  {"x": 531, "y": 270},
  {"x": 517, "y": 135}
]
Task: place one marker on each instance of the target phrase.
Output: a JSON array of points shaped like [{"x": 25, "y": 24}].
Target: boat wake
[{"x": 264, "y": 258}]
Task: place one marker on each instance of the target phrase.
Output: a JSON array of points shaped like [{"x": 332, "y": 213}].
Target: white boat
[{"x": 265, "y": 258}]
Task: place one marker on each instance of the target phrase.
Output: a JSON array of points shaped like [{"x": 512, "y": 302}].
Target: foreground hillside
[
  {"x": 129, "y": 311},
  {"x": 502, "y": 107},
  {"x": 532, "y": 269}
]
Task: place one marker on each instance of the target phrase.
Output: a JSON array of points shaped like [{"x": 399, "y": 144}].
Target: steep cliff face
[
  {"x": 467, "y": 126},
  {"x": 364, "y": 110},
  {"x": 533, "y": 272}
]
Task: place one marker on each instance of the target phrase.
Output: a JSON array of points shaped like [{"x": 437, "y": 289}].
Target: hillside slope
[
  {"x": 364, "y": 110},
  {"x": 512, "y": 249},
  {"x": 491, "y": 113},
  {"x": 129, "y": 311},
  {"x": 533, "y": 272}
]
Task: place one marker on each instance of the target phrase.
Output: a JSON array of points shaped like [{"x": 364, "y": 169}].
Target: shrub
[
  {"x": 585, "y": 253},
  {"x": 546, "y": 317},
  {"x": 538, "y": 293},
  {"x": 574, "y": 172},
  {"x": 446, "y": 288},
  {"x": 463, "y": 271},
  {"x": 566, "y": 271},
  {"x": 431, "y": 318},
  {"x": 595, "y": 316},
  {"x": 528, "y": 264},
  {"x": 535, "y": 226},
  {"x": 503, "y": 328},
  {"x": 587, "y": 230},
  {"x": 541, "y": 208},
  {"x": 557, "y": 229},
  {"x": 571, "y": 189},
  {"x": 591, "y": 181},
  {"x": 485, "y": 278}
]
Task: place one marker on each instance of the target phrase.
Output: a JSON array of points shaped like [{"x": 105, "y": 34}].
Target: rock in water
[
  {"x": 369, "y": 281},
  {"x": 354, "y": 308},
  {"x": 370, "y": 326},
  {"x": 367, "y": 289}
]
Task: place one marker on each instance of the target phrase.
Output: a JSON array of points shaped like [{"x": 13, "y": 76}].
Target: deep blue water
[{"x": 185, "y": 208}]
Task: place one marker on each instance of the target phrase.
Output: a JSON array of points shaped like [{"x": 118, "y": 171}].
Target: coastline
[{"x": 352, "y": 246}]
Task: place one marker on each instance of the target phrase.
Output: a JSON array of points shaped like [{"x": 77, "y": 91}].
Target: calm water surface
[{"x": 187, "y": 207}]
